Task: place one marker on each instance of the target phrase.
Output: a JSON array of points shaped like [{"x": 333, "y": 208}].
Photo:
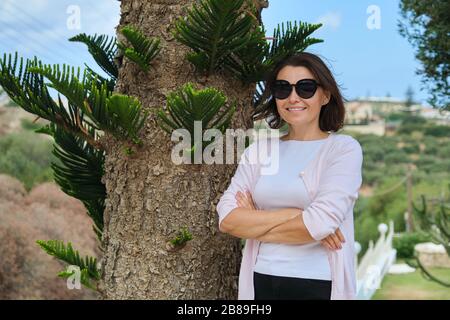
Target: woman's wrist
[{"x": 291, "y": 213}]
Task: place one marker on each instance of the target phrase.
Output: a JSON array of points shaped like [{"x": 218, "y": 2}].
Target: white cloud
[{"x": 330, "y": 19}]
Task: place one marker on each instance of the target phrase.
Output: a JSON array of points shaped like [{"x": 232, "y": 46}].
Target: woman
[{"x": 298, "y": 222}]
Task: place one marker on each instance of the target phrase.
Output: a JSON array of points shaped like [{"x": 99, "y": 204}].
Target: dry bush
[
  {"x": 11, "y": 189},
  {"x": 26, "y": 271}
]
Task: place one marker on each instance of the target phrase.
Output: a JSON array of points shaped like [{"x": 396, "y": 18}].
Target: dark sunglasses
[{"x": 305, "y": 88}]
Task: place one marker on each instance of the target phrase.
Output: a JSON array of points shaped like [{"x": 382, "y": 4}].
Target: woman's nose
[{"x": 293, "y": 97}]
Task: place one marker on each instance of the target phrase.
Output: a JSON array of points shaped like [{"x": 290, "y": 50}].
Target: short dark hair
[{"x": 332, "y": 114}]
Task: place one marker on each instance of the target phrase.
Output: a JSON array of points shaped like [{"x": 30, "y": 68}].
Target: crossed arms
[{"x": 278, "y": 226}]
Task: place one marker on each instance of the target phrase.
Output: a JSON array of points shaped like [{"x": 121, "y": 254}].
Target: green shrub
[
  {"x": 395, "y": 116},
  {"x": 27, "y": 157},
  {"x": 425, "y": 160},
  {"x": 366, "y": 229},
  {"x": 370, "y": 177},
  {"x": 443, "y": 152},
  {"x": 408, "y": 128},
  {"x": 412, "y": 148},
  {"x": 414, "y": 119},
  {"x": 405, "y": 242},
  {"x": 396, "y": 156},
  {"x": 373, "y": 153},
  {"x": 437, "y": 131}
]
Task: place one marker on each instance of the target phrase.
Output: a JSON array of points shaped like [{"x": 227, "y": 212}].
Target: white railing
[{"x": 375, "y": 263}]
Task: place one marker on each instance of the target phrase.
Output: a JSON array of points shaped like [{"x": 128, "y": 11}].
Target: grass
[{"x": 413, "y": 286}]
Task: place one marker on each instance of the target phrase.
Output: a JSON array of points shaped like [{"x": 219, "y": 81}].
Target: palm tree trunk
[{"x": 149, "y": 198}]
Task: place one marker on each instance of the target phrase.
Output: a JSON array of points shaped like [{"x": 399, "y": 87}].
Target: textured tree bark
[{"x": 149, "y": 198}]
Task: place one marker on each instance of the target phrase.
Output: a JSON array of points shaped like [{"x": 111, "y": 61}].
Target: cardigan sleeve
[
  {"x": 243, "y": 180},
  {"x": 337, "y": 191}
]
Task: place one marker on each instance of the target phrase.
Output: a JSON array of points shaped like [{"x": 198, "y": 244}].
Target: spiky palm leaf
[
  {"x": 213, "y": 29},
  {"x": 118, "y": 114},
  {"x": 94, "y": 77},
  {"x": 143, "y": 49},
  {"x": 248, "y": 63},
  {"x": 285, "y": 42},
  {"x": 66, "y": 80},
  {"x": 294, "y": 39},
  {"x": 125, "y": 117},
  {"x": 437, "y": 226},
  {"x": 103, "y": 49},
  {"x": 258, "y": 56},
  {"x": 67, "y": 254},
  {"x": 79, "y": 173},
  {"x": 84, "y": 277},
  {"x": 187, "y": 105},
  {"x": 29, "y": 91}
]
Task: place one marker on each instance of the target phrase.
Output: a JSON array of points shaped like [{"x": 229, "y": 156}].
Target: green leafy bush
[
  {"x": 366, "y": 229},
  {"x": 396, "y": 156},
  {"x": 26, "y": 157},
  {"x": 412, "y": 148},
  {"x": 437, "y": 131},
  {"x": 405, "y": 242}
]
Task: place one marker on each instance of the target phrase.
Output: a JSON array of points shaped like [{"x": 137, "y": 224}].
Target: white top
[{"x": 286, "y": 189}]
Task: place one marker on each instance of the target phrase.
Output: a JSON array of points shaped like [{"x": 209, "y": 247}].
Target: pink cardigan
[{"x": 332, "y": 180}]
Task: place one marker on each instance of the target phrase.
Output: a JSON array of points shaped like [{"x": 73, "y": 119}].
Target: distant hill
[{"x": 11, "y": 118}]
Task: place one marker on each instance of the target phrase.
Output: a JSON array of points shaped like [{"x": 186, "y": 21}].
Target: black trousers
[{"x": 268, "y": 287}]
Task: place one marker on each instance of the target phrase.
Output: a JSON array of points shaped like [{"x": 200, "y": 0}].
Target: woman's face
[{"x": 313, "y": 105}]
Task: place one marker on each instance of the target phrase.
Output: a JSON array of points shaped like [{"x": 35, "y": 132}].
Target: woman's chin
[{"x": 296, "y": 120}]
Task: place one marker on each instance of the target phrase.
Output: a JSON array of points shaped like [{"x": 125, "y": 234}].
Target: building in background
[{"x": 370, "y": 114}]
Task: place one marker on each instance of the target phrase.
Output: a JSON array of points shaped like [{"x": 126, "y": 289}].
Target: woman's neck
[{"x": 305, "y": 136}]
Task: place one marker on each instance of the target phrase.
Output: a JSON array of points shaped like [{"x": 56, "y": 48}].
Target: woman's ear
[{"x": 326, "y": 98}]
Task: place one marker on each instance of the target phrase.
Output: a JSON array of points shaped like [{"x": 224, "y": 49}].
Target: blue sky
[{"x": 364, "y": 61}]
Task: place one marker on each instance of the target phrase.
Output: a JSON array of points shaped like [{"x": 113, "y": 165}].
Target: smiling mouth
[{"x": 296, "y": 109}]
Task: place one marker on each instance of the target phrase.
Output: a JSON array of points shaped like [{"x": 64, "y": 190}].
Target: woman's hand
[
  {"x": 333, "y": 241},
  {"x": 245, "y": 200}
]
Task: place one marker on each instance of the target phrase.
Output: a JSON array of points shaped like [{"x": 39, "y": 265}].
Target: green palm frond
[
  {"x": 94, "y": 77},
  {"x": 84, "y": 277},
  {"x": 66, "y": 80},
  {"x": 103, "y": 49},
  {"x": 213, "y": 29},
  {"x": 68, "y": 255},
  {"x": 125, "y": 117},
  {"x": 294, "y": 39},
  {"x": 187, "y": 105},
  {"x": 248, "y": 63},
  {"x": 143, "y": 49},
  {"x": 29, "y": 91},
  {"x": 26, "y": 89},
  {"x": 118, "y": 114},
  {"x": 79, "y": 173}
]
